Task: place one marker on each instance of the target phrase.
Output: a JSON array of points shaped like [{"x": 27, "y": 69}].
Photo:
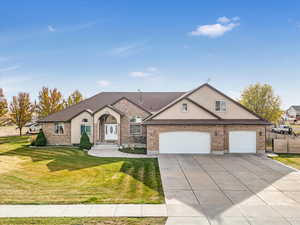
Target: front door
[{"x": 111, "y": 132}]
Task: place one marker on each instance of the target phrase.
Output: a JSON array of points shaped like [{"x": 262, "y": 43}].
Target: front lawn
[
  {"x": 64, "y": 175},
  {"x": 292, "y": 160},
  {"x": 82, "y": 221}
]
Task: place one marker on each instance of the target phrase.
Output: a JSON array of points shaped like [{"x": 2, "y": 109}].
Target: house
[
  {"x": 203, "y": 120},
  {"x": 293, "y": 113}
]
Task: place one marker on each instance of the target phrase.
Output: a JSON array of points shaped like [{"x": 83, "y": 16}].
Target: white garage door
[
  {"x": 242, "y": 142},
  {"x": 184, "y": 142}
]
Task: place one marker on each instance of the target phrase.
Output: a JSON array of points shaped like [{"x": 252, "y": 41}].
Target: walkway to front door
[{"x": 111, "y": 132}]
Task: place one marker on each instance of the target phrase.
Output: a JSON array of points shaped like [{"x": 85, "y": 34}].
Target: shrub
[
  {"x": 40, "y": 139},
  {"x": 85, "y": 141},
  {"x": 32, "y": 140}
]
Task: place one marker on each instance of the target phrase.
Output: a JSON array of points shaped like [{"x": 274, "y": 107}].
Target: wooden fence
[
  {"x": 287, "y": 145},
  {"x": 11, "y": 131}
]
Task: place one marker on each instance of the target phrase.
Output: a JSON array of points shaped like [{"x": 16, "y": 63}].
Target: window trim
[
  {"x": 59, "y": 124},
  {"x": 183, "y": 109},
  {"x": 220, "y": 111},
  {"x": 132, "y": 122}
]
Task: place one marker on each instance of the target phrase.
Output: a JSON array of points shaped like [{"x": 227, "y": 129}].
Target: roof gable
[
  {"x": 205, "y": 95},
  {"x": 195, "y": 111}
]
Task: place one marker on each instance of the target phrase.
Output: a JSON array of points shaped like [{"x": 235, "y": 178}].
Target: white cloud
[
  {"x": 223, "y": 19},
  {"x": 139, "y": 74},
  {"x": 51, "y": 28},
  {"x": 216, "y": 30},
  {"x": 103, "y": 83},
  {"x": 10, "y": 68}
]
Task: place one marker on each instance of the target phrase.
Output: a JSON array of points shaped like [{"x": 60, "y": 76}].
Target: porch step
[{"x": 105, "y": 147}]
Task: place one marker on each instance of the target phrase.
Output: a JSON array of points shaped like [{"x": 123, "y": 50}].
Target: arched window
[{"x": 85, "y": 120}]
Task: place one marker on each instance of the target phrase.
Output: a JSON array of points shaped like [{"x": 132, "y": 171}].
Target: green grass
[
  {"x": 83, "y": 221},
  {"x": 64, "y": 175},
  {"x": 292, "y": 160},
  {"x": 134, "y": 150}
]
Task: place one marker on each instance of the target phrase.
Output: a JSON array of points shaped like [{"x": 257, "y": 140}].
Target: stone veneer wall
[
  {"x": 129, "y": 111},
  {"x": 219, "y": 135},
  {"x": 55, "y": 139}
]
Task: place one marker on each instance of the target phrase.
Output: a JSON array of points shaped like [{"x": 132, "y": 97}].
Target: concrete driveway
[{"x": 229, "y": 189}]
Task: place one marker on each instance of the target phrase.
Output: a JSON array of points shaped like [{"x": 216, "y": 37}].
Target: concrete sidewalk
[{"x": 100, "y": 210}]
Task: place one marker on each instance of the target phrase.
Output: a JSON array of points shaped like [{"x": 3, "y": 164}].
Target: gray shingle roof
[
  {"x": 150, "y": 101},
  {"x": 207, "y": 122},
  {"x": 296, "y": 107}
]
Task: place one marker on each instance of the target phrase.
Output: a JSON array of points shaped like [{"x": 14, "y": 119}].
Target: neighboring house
[
  {"x": 33, "y": 128},
  {"x": 293, "y": 113},
  {"x": 203, "y": 120}
]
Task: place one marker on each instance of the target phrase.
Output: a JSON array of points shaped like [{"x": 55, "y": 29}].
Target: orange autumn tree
[
  {"x": 261, "y": 99},
  {"x": 73, "y": 99},
  {"x": 3, "y": 108},
  {"x": 21, "y": 110},
  {"x": 50, "y": 101}
]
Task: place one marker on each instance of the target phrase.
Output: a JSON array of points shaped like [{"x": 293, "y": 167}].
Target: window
[
  {"x": 184, "y": 107},
  {"x": 59, "y": 128},
  {"x": 220, "y": 106},
  {"x": 135, "y": 128},
  {"x": 136, "y": 119},
  {"x": 85, "y": 128},
  {"x": 85, "y": 120}
]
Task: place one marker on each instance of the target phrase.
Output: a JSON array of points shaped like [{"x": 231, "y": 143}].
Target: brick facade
[
  {"x": 130, "y": 110},
  {"x": 55, "y": 139},
  {"x": 219, "y": 135}
]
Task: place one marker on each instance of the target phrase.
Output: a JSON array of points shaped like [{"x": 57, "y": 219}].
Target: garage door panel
[
  {"x": 242, "y": 141},
  {"x": 184, "y": 142}
]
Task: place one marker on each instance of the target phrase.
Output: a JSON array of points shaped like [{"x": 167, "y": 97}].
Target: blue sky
[{"x": 124, "y": 45}]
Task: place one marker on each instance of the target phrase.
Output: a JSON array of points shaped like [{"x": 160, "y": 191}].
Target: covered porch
[{"x": 107, "y": 123}]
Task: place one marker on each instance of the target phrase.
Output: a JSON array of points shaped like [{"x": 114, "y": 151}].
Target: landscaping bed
[
  {"x": 64, "y": 175},
  {"x": 134, "y": 150}
]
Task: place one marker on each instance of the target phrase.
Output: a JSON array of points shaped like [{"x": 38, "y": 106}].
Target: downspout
[{"x": 266, "y": 138}]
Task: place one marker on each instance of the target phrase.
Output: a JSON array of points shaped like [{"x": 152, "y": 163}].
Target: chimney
[{"x": 140, "y": 97}]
